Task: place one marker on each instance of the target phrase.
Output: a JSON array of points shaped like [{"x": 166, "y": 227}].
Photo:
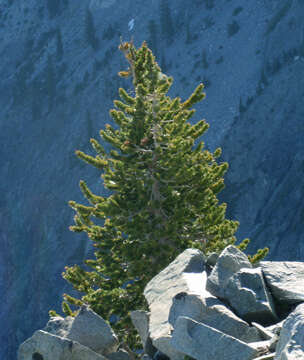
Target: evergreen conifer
[{"x": 163, "y": 199}]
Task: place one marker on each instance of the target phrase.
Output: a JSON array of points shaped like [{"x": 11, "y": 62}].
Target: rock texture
[
  {"x": 185, "y": 274},
  {"x": 212, "y": 312},
  {"x": 204, "y": 327},
  {"x": 56, "y": 91},
  {"x": 45, "y": 346},
  {"x": 119, "y": 355},
  {"x": 87, "y": 328},
  {"x": 248, "y": 295},
  {"x": 140, "y": 320},
  {"x": 229, "y": 262},
  {"x": 285, "y": 280},
  {"x": 191, "y": 322},
  {"x": 291, "y": 343},
  {"x": 191, "y": 337}
]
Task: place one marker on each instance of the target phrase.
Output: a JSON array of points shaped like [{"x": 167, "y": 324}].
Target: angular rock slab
[
  {"x": 119, "y": 355},
  {"x": 265, "y": 333},
  {"x": 140, "y": 320},
  {"x": 46, "y": 346},
  {"x": 87, "y": 328},
  {"x": 275, "y": 329},
  {"x": 248, "y": 295},
  {"x": 285, "y": 280},
  {"x": 266, "y": 357},
  {"x": 93, "y": 331},
  {"x": 212, "y": 312},
  {"x": 291, "y": 342},
  {"x": 229, "y": 262},
  {"x": 262, "y": 347},
  {"x": 184, "y": 274},
  {"x": 203, "y": 342}
]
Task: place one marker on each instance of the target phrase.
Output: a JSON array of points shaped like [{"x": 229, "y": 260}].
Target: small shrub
[
  {"x": 278, "y": 17},
  {"x": 219, "y": 60},
  {"x": 237, "y": 10},
  {"x": 209, "y": 4},
  {"x": 208, "y": 22},
  {"x": 233, "y": 28}
]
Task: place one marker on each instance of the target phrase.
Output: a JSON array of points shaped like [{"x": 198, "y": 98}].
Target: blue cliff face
[{"x": 58, "y": 69}]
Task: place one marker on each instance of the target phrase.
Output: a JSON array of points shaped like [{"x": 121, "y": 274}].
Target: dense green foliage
[{"x": 164, "y": 188}]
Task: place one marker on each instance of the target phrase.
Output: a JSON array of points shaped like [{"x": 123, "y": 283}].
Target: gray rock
[
  {"x": 140, "y": 320},
  {"x": 59, "y": 326},
  {"x": 291, "y": 343},
  {"x": 248, "y": 295},
  {"x": 160, "y": 356},
  {"x": 87, "y": 328},
  {"x": 265, "y": 333},
  {"x": 146, "y": 357},
  {"x": 119, "y": 355},
  {"x": 275, "y": 328},
  {"x": 203, "y": 342},
  {"x": 273, "y": 343},
  {"x": 229, "y": 262},
  {"x": 93, "y": 331},
  {"x": 266, "y": 357},
  {"x": 163, "y": 342},
  {"x": 212, "y": 259},
  {"x": 262, "y": 347},
  {"x": 51, "y": 347},
  {"x": 285, "y": 279},
  {"x": 212, "y": 312},
  {"x": 184, "y": 274}
]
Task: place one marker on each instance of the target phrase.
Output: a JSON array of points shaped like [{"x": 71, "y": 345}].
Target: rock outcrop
[
  {"x": 46, "y": 346},
  {"x": 185, "y": 274},
  {"x": 86, "y": 328},
  {"x": 186, "y": 319},
  {"x": 248, "y": 295},
  {"x": 285, "y": 280},
  {"x": 191, "y": 337},
  {"x": 229, "y": 262},
  {"x": 291, "y": 342}
]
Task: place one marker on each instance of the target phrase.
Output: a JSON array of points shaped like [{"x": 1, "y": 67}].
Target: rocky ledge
[{"x": 202, "y": 308}]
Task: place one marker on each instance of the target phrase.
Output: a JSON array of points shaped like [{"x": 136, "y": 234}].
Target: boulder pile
[{"x": 204, "y": 308}]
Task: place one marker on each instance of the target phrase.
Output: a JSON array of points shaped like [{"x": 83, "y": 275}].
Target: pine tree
[{"x": 163, "y": 198}]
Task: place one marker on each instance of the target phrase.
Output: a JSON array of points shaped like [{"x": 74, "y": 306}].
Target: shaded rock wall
[{"x": 55, "y": 93}]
